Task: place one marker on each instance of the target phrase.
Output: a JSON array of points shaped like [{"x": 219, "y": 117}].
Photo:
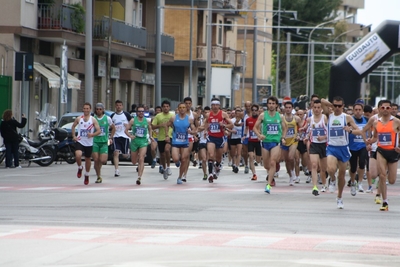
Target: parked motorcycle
[
  {"x": 41, "y": 152},
  {"x": 2, "y": 153},
  {"x": 65, "y": 150}
]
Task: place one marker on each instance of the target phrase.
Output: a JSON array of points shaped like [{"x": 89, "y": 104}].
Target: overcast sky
[{"x": 376, "y": 11}]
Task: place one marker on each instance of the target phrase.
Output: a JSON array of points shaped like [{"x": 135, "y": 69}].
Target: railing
[
  {"x": 60, "y": 17},
  {"x": 167, "y": 43},
  {"x": 240, "y": 59},
  {"x": 216, "y": 53},
  {"x": 229, "y": 56},
  {"x": 121, "y": 32}
]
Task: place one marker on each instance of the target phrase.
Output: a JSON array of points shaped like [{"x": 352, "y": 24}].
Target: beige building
[
  {"x": 40, "y": 27},
  {"x": 231, "y": 56}
]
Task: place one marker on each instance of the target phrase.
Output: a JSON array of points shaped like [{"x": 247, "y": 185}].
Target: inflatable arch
[{"x": 365, "y": 56}]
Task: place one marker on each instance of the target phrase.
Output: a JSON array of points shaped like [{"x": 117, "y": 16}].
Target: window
[
  {"x": 220, "y": 32},
  {"x": 45, "y": 48}
]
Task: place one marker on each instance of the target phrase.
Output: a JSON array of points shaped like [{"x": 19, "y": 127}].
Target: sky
[{"x": 376, "y": 11}]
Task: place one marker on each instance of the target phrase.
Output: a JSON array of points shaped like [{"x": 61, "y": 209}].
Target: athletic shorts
[
  {"x": 161, "y": 146},
  {"x": 87, "y": 150},
  {"x": 100, "y": 147},
  {"x": 234, "y": 142},
  {"x": 254, "y": 147},
  {"x": 180, "y": 145},
  {"x": 342, "y": 153},
  {"x": 318, "y": 149},
  {"x": 301, "y": 147},
  {"x": 372, "y": 155},
  {"x": 269, "y": 145},
  {"x": 391, "y": 156},
  {"x": 121, "y": 144},
  {"x": 218, "y": 141},
  {"x": 202, "y": 146},
  {"x": 138, "y": 143},
  {"x": 195, "y": 147},
  {"x": 360, "y": 155},
  {"x": 245, "y": 141}
]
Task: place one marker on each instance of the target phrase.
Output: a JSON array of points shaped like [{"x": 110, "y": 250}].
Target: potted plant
[
  {"x": 45, "y": 20},
  {"x": 78, "y": 18}
]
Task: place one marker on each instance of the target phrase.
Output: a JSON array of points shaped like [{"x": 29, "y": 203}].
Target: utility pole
[
  {"x": 88, "y": 53},
  {"x": 288, "y": 89},
  {"x": 209, "y": 49},
  {"x": 158, "y": 55},
  {"x": 108, "y": 91},
  {"x": 255, "y": 100}
]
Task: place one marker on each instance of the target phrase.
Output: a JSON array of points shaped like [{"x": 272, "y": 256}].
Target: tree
[{"x": 309, "y": 13}]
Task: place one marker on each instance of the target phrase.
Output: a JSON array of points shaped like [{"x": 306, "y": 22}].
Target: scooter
[{"x": 40, "y": 152}]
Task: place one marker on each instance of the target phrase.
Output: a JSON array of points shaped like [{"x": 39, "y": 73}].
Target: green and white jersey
[
  {"x": 104, "y": 122},
  {"x": 272, "y": 128}
]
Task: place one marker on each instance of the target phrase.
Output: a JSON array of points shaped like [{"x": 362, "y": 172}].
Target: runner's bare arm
[
  {"x": 97, "y": 127},
  {"x": 257, "y": 125},
  {"x": 228, "y": 122}
]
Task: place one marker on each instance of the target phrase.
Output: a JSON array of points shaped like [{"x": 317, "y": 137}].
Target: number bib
[
  {"x": 181, "y": 137},
  {"x": 273, "y": 128},
  {"x": 252, "y": 135},
  {"x": 290, "y": 133},
  {"x": 140, "y": 131},
  {"x": 358, "y": 139},
  {"x": 83, "y": 133},
  {"x": 103, "y": 131},
  {"x": 318, "y": 132},
  {"x": 385, "y": 139},
  {"x": 215, "y": 127},
  {"x": 336, "y": 132}
]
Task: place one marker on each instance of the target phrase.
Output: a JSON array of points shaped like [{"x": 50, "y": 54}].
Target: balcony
[
  {"x": 167, "y": 44},
  {"x": 229, "y": 56},
  {"x": 240, "y": 61},
  {"x": 217, "y": 54},
  {"x": 63, "y": 17},
  {"x": 121, "y": 33}
]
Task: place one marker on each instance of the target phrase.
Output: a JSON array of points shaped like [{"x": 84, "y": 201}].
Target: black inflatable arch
[{"x": 365, "y": 56}]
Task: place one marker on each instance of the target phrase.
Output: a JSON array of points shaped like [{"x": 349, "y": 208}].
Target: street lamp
[{"x": 309, "y": 47}]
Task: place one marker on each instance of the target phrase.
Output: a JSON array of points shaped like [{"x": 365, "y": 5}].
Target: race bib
[
  {"x": 181, "y": 137},
  {"x": 290, "y": 133},
  {"x": 273, "y": 128},
  {"x": 385, "y": 139},
  {"x": 318, "y": 132},
  {"x": 140, "y": 131},
  {"x": 252, "y": 135},
  {"x": 103, "y": 131},
  {"x": 358, "y": 139},
  {"x": 83, "y": 133},
  {"x": 336, "y": 132},
  {"x": 215, "y": 127}
]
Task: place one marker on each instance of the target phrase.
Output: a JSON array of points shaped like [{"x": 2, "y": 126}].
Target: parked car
[{"x": 68, "y": 119}]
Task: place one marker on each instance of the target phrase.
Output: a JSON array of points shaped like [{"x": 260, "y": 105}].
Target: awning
[{"x": 52, "y": 73}]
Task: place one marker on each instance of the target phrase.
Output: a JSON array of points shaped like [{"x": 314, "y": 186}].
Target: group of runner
[{"x": 323, "y": 138}]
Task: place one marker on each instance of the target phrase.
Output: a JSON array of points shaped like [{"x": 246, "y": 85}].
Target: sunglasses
[
  {"x": 254, "y": 110},
  {"x": 387, "y": 108},
  {"x": 140, "y": 111},
  {"x": 337, "y": 106},
  {"x": 182, "y": 107}
]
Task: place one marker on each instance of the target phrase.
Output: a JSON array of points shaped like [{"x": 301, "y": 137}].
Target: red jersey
[
  {"x": 214, "y": 127},
  {"x": 250, "y": 122}
]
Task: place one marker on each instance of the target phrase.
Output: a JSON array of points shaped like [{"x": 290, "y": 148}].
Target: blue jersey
[
  {"x": 180, "y": 131},
  {"x": 356, "y": 142}
]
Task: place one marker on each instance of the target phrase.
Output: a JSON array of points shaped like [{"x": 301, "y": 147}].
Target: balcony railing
[
  {"x": 217, "y": 54},
  {"x": 121, "y": 32},
  {"x": 229, "y": 56},
  {"x": 167, "y": 43},
  {"x": 239, "y": 59},
  {"x": 60, "y": 17}
]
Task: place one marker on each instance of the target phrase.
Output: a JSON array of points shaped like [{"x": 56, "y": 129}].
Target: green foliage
[{"x": 78, "y": 18}]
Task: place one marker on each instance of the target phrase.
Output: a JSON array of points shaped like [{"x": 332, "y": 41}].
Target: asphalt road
[{"x": 48, "y": 217}]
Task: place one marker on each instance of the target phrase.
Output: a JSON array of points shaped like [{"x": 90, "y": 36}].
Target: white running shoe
[
  {"x": 297, "y": 180},
  {"x": 116, "y": 173},
  {"x": 340, "y": 204},
  {"x": 353, "y": 189},
  {"x": 291, "y": 183},
  {"x": 308, "y": 180},
  {"x": 369, "y": 190},
  {"x": 360, "y": 188},
  {"x": 323, "y": 188},
  {"x": 332, "y": 187},
  {"x": 168, "y": 171},
  {"x": 165, "y": 175}
]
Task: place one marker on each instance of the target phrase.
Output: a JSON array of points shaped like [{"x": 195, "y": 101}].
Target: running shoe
[
  {"x": 273, "y": 182},
  {"x": 177, "y": 164},
  {"x": 116, "y": 173},
  {"x": 373, "y": 181},
  {"x": 86, "y": 182},
  {"x": 315, "y": 191},
  {"x": 353, "y": 189},
  {"x": 360, "y": 188},
  {"x": 194, "y": 163},
  {"x": 246, "y": 169},
  {"x": 291, "y": 183},
  {"x": 179, "y": 181},
  {"x": 255, "y": 163},
  {"x": 165, "y": 175},
  {"x": 323, "y": 188},
  {"x": 138, "y": 181},
  {"x": 332, "y": 187},
  {"x": 308, "y": 180},
  {"x": 296, "y": 180},
  {"x": 369, "y": 190},
  {"x": 349, "y": 183},
  {"x": 230, "y": 163},
  {"x": 99, "y": 180},
  {"x": 340, "y": 204},
  {"x": 267, "y": 189},
  {"x": 137, "y": 169},
  {"x": 385, "y": 207},
  {"x": 217, "y": 170},
  {"x": 254, "y": 178},
  {"x": 205, "y": 177},
  {"x": 153, "y": 164},
  {"x": 276, "y": 175},
  {"x": 211, "y": 178},
  {"x": 161, "y": 169},
  {"x": 236, "y": 169},
  {"x": 168, "y": 171},
  {"x": 365, "y": 177},
  {"x": 79, "y": 173},
  {"x": 319, "y": 179},
  {"x": 200, "y": 165},
  {"x": 378, "y": 199}
]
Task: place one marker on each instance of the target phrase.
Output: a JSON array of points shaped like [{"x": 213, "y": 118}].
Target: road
[{"x": 50, "y": 218}]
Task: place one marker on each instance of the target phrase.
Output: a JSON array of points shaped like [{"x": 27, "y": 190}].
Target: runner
[
  {"x": 154, "y": 134},
  {"x": 293, "y": 122},
  {"x": 302, "y": 152},
  {"x": 164, "y": 144},
  {"x": 193, "y": 116},
  {"x": 84, "y": 141},
  {"x": 235, "y": 140},
  {"x": 245, "y": 154},
  {"x": 181, "y": 124},
  {"x": 139, "y": 140},
  {"x": 317, "y": 128},
  {"x": 386, "y": 129},
  {"x": 100, "y": 142},
  {"x": 215, "y": 122},
  {"x": 338, "y": 153},
  {"x": 203, "y": 144},
  {"x": 254, "y": 145},
  {"x": 120, "y": 119},
  {"x": 273, "y": 131}
]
